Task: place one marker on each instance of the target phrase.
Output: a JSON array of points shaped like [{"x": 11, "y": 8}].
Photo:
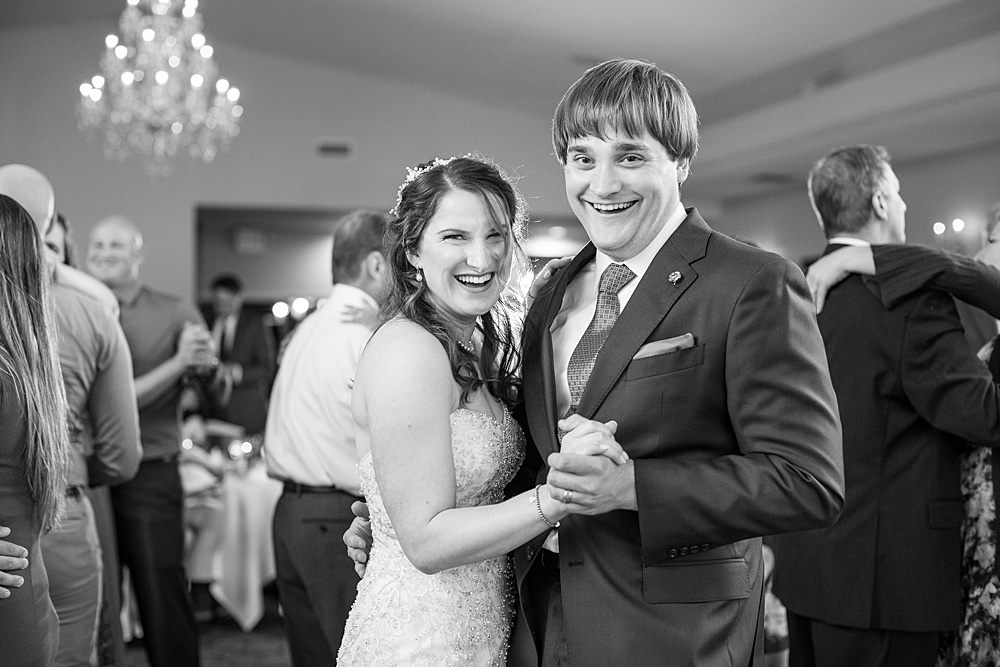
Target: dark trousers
[
  {"x": 812, "y": 643},
  {"x": 547, "y": 610},
  {"x": 316, "y": 580},
  {"x": 148, "y": 518}
]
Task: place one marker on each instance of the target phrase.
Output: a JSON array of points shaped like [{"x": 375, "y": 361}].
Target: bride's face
[{"x": 465, "y": 258}]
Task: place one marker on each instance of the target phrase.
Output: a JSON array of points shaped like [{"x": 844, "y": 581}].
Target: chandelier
[{"x": 159, "y": 93}]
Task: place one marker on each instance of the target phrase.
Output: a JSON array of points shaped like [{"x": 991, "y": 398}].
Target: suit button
[
  {"x": 672, "y": 553},
  {"x": 684, "y": 551},
  {"x": 530, "y": 553},
  {"x": 705, "y": 547},
  {"x": 695, "y": 549}
]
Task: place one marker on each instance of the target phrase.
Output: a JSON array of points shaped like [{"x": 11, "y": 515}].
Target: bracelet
[{"x": 538, "y": 506}]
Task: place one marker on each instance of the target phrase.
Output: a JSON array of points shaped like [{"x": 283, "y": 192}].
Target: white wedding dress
[{"x": 461, "y": 616}]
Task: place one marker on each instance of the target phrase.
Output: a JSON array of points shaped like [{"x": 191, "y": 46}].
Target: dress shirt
[
  {"x": 153, "y": 322},
  {"x": 580, "y": 301},
  {"x": 309, "y": 437},
  {"x": 849, "y": 240},
  {"x": 100, "y": 396}
]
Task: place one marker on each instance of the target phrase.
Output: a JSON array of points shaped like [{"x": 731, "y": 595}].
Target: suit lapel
[
  {"x": 538, "y": 367},
  {"x": 669, "y": 276}
]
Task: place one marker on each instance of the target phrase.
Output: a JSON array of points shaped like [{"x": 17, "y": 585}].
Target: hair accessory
[
  {"x": 538, "y": 506},
  {"x": 412, "y": 173}
]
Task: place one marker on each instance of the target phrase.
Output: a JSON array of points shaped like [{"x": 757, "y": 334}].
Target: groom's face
[{"x": 623, "y": 189}]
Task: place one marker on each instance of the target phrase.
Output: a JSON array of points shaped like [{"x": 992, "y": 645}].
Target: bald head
[
  {"x": 114, "y": 252},
  {"x": 29, "y": 188}
]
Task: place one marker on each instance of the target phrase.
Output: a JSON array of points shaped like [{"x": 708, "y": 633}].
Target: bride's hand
[
  {"x": 830, "y": 269},
  {"x": 543, "y": 278},
  {"x": 591, "y": 438}
]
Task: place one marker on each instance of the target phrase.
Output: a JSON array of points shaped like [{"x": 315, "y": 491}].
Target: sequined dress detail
[{"x": 461, "y": 616}]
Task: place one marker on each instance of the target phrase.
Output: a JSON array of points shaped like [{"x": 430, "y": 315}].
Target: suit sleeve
[
  {"x": 904, "y": 270},
  {"x": 946, "y": 383},
  {"x": 788, "y": 474},
  {"x": 113, "y": 412},
  {"x": 260, "y": 364}
]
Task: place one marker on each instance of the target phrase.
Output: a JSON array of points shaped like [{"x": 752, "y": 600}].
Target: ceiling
[{"x": 777, "y": 82}]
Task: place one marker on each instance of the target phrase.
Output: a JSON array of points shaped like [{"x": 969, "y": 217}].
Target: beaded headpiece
[{"x": 412, "y": 173}]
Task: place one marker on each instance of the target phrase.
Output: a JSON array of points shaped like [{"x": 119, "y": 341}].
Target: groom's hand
[
  {"x": 595, "y": 484},
  {"x": 591, "y": 438},
  {"x": 358, "y": 538}
]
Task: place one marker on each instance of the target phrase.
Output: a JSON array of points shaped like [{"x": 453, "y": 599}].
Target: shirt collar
[
  {"x": 127, "y": 295},
  {"x": 849, "y": 240},
  {"x": 639, "y": 264},
  {"x": 352, "y": 294}
]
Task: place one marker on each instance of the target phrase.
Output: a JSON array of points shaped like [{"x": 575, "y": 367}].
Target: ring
[{"x": 567, "y": 496}]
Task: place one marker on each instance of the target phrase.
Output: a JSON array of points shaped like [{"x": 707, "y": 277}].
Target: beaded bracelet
[{"x": 538, "y": 506}]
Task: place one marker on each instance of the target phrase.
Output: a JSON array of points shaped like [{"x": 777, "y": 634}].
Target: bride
[{"x": 432, "y": 414}]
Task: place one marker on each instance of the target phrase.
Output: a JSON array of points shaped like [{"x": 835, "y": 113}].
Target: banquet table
[{"x": 244, "y": 562}]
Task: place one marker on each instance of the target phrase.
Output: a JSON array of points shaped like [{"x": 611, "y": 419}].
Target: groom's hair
[{"x": 632, "y": 97}]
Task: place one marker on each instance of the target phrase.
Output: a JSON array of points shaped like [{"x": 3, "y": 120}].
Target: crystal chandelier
[{"x": 159, "y": 92}]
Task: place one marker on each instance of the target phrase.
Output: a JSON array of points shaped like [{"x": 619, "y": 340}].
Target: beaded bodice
[{"x": 460, "y": 616}]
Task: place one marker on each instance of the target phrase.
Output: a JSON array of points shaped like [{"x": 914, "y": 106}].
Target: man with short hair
[
  {"x": 245, "y": 349},
  {"x": 878, "y": 587},
  {"x": 168, "y": 341},
  {"x": 309, "y": 444}
]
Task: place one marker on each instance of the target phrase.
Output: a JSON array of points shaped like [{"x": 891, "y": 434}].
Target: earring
[{"x": 419, "y": 275}]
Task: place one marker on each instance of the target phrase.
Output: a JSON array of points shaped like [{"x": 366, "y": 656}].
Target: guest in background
[
  {"x": 881, "y": 585},
  {"x": 309, "y": 444},
  {"x": 980, "y": 326},
  {"x": 900, "y": 272},
  {"x": 103, "y": 431},
  {"x": 246, "y": 350},
  {"x": 34, "y": 447},
  {"x": 59, "y": 240},
  {"x": 169, "y": 342}
]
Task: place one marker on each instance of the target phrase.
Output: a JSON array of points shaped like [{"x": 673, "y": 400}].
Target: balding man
[
  {"x": 104, "y": 430},
  {"x": 168, "y": 340}
]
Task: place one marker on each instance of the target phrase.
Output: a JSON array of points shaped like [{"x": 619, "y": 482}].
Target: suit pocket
[
  {"x": 666, "y": 363},
  {"x": 696, "y": 581},
  {"x": 945, "y": 513}
]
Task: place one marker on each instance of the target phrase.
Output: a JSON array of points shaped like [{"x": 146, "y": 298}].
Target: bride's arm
[{"x": 408, "y": 395}]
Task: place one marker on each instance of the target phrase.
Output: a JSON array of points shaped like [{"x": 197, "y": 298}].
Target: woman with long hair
[
  {"x": 432, "y": 405},
  {"x": 34, "y": 446}
]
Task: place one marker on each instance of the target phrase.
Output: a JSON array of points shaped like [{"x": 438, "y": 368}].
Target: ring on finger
[{"x": 567, "y": 496}]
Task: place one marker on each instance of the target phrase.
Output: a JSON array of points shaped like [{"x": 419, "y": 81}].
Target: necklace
[{"x": 468, "y": 347}]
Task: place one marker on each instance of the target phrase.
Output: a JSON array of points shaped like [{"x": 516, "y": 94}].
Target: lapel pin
[{"x": 675, "y": 277}]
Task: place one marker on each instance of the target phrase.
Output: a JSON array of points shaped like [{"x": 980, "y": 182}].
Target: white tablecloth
[{"x": 244, "y": 563}]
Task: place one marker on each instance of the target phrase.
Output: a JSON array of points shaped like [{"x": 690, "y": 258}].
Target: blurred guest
[
  {"x": 309, "y": 444},
  {"x": 245, "y": 349},
  {"x": 103, "y": 430},
  {"x": 169, "y": 341},
  {"x": 202, "y": 471},
  {"x": 34, "y": 446},
  {"x": 60, "y": 241},
  {"x": 902, "y": 271},
  {"x": 881, "y": 585},
  {"x": 980, "y": 326}
]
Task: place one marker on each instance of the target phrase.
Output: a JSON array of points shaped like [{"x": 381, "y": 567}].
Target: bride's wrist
[{"x": 554, "y": 510}]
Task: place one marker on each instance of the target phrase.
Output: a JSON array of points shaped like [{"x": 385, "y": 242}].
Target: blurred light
[
  {"x": 186, "y": 443},
  {"x": 557, "y": 232},
  {"x": 939, "y": 228},
  {"x": 246, "y": 447},
  {"x": 235, "y": 450},
  {"x": 958, "y": 224},
  {"x": 280, "y": 310},
  {"x": 300, "y": 306}
]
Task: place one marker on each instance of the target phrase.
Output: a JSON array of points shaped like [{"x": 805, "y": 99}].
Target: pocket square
[{"x": 664, "y": 346}]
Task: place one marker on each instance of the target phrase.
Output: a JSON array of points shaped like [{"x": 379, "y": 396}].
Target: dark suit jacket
[
  {"x": 253, "y": 349},
  {"x": 910, "y": 393},
  {"x": 731, "y": 439}
]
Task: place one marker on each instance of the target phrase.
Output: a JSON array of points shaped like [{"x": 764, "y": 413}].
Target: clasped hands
[{"x": 591, "y": 474}]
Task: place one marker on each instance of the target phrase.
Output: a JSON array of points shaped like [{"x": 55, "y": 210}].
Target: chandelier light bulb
[
  {"x": 939, "y": 228},
  {"x": 158, "y": 94},
  {"x": 958, "y": 224}
]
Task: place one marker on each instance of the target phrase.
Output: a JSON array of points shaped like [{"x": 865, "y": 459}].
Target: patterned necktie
[{"x": 581, "y": 362}]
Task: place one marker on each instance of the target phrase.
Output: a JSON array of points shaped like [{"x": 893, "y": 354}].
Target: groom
[
  {"x": 714, "y": 371},
  {"x": 706, "y": 353}
]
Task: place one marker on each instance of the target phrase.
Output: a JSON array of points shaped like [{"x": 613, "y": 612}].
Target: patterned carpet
[{"x": 223, "y": 644}]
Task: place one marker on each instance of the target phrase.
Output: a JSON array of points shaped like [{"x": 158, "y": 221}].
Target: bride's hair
[{"x": 419, "y": 197}]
